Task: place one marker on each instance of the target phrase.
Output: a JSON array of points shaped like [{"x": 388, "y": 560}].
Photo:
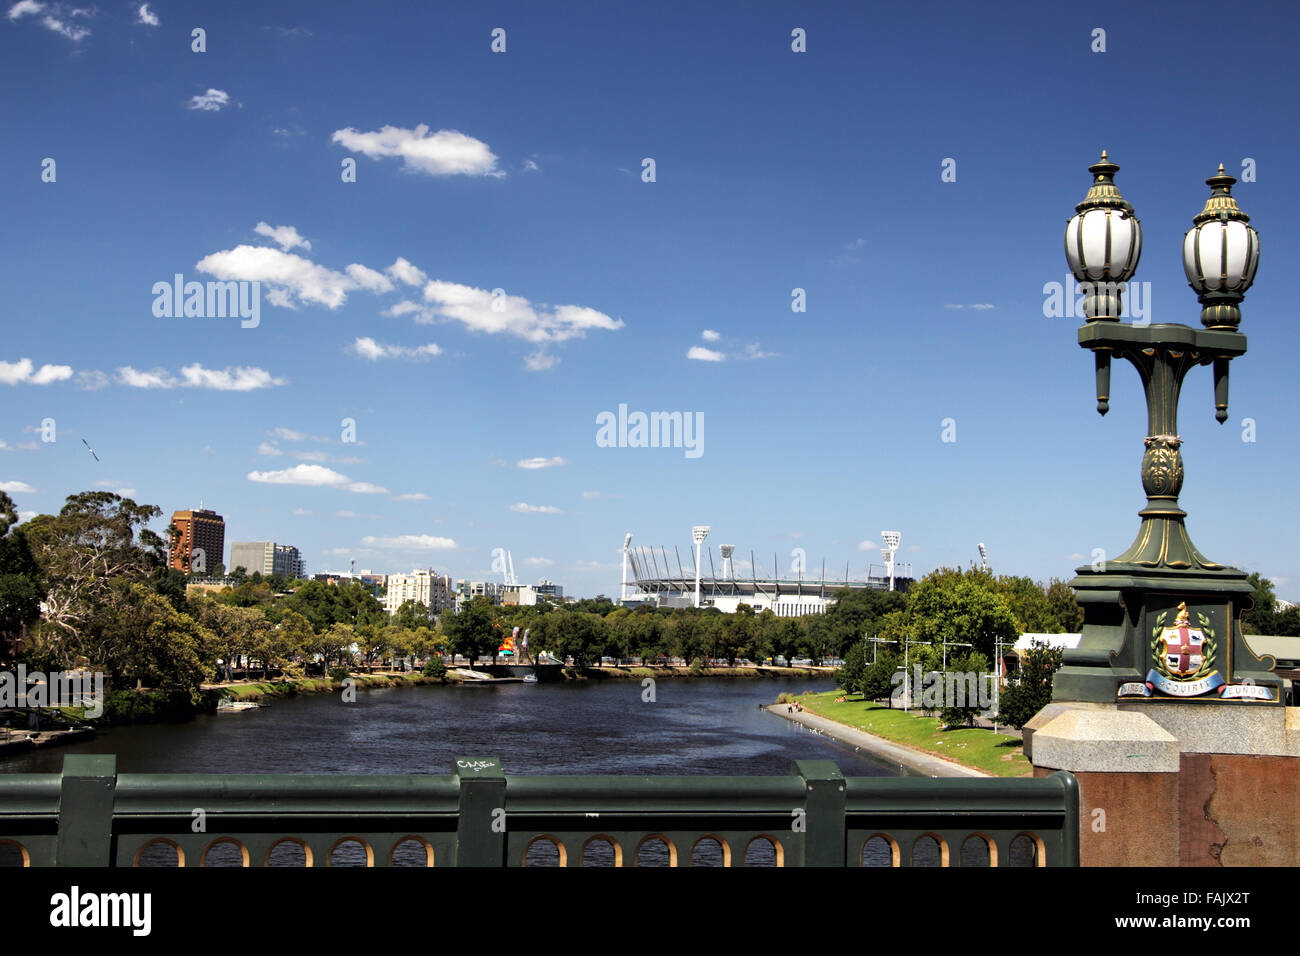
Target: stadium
[{"x": 649, "y": 578}]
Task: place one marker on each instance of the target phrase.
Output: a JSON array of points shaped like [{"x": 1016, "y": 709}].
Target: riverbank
[
  {"x": 25, "y": 741},
  {"x": 894, "y": 734}
]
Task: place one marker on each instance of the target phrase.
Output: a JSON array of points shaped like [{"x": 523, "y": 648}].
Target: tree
[
  {"x": 21, "y": 583},
  {"x": 1031, "y": 691},
  {"x": 850, "y": 676},
  {"x": 473, "y": 631},
  {"x": 950, "y": 606},
  {"x": 1064, "y": 605},
  {"x": 1260, "y": 618},
  {"x": 878, "y": 676},
  {"x": 413, "y": 614},
  {"x": 95, "y": 541}
]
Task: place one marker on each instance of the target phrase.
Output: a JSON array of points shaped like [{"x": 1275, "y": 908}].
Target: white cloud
[
  {"x": 701, "y": 354},
  {"x": 412, "y": 496},
  {"x": 26, "y": 516},
  {"x": 286, "y": 237},
  {"x": 403, "y": 271},
  {"x": 534, "y": 463},
  {"x": 709, "y": 335},
  {"x": 368, "y": 348},
  {"x": 74, "y": 33},
  {"x": 530, "y": 166},
  {"x": 316, "y": 476},
  {"x": 412, "y": 542},
  {"x": 237, "y": 379},
  {"x": 268, "y": 448},
  {"x": 867, "y": 546},
  {"x": 284, "y": 272},
  {"x": 978, "y": 306},
  {"x": 209, "y": 102},
  {"x": 444, "y": 153},
  {"x": 158, "y": 378},
  {"x": 540, "y": 361},
  {"x": 369, "y": 279},
  {"x": 146, "y": 16},
  {"x": 16, "y": 487},
  {"x": 481, "y": 311},
  {"x": 92, "y": 380},
  {"x": 591, "y": 494},
  {"x": 754, "y": 352},
  {"x": 12, "y": 373},
  {"x": 538, "y": 562},
  {"x": 523, "y": 508},
  {"x": 311, "y": 456},
  {"x": 25, "y": 8}
]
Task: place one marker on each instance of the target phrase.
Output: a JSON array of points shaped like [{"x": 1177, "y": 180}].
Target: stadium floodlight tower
[
  {"x": 622, "y": 591},
  {"x": 727, "y": 551},
  {"x": 891, "y": 539},
  {"x": 698, "y": 534},
  {"x": 984, "y": 556}
]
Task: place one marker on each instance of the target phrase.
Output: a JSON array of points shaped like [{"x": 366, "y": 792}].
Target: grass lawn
[{"x": 993, "y": 753}]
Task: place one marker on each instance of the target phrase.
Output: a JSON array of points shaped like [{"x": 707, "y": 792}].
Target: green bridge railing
[{"x": 90, "y": 815}]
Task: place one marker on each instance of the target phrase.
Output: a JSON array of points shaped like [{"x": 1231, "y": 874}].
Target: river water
[{"x": 693, "y": 726}]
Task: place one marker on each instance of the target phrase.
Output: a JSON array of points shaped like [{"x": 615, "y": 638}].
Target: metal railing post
[
  {"x": 824, "y": 817},
  {"x": 86, "y": 793},
  {"x": 481, "y": 823}
]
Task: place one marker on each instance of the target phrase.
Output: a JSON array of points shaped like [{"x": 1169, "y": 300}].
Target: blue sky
[{"x": 523, "y": 171}]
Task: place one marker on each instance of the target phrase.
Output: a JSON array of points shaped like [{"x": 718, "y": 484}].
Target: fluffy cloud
[
  {"x": 286, "y": 237},
  {"x": 51, "y": 20},
  {"x": 412, "y": 496},
  {"x": 403, "y": 271},
  {"x": 481, "y": 311},
  {"x": 146, "y": 16},
  {"x": 16, "y": 487},
  {"x": 540, "y": 361},
  {"x": 701, "y": 354},
  {"x": 237, "y": 379},
  {"x": 283, "y": 271},
  {"x": 368, "y": 348},
  {"x": 709, "y": 335},
  {"x": 528, "y": 509},
  {"x": 13, "y": 373},
  {"x": 444, "y": 153},
  {"x": 209, "y": 102},
  {"x": 412, "y": 542},
  {"x": 534, "y": 463},
  {"x": 316, "y": 476}
]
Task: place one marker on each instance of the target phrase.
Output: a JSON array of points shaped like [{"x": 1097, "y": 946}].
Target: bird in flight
[{"x": 89, "y": 449}]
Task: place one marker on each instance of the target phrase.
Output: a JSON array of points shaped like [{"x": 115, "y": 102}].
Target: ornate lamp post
[{"x": 1162, "y": 620}]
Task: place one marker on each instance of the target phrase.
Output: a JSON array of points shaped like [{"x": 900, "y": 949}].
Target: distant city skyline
[{"x": 360, "y": 283}]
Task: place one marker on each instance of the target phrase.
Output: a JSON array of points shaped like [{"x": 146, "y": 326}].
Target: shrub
[
  {"x": 338, "y": 672},
  {"x": 436, "y": 668}
]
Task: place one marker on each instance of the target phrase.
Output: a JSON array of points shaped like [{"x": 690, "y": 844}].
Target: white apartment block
[
  {"x": 268, "y": 558},
  {"x": 427, "y": 587}
]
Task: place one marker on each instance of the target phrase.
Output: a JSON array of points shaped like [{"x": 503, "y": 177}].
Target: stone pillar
[{"x": 1177, "y": 783}]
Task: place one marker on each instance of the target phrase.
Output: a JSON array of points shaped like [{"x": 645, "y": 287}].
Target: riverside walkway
[{"x": 915, "y": 760}]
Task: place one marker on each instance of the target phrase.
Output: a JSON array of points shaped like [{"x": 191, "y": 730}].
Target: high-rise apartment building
[
  {"x": 427, "y": 587},
  {"x": 267, "y": 558},
  {"x": 199, "y": 542}
]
